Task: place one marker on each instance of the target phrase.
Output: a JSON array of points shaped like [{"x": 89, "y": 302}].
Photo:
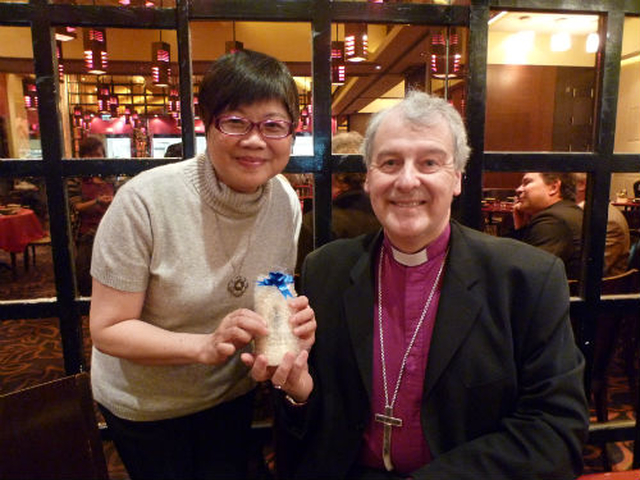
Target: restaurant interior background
[{"x": 543, "y": 86}]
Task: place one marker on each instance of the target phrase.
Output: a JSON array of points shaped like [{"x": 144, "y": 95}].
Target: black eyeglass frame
[{"x": 252, "y": 125}]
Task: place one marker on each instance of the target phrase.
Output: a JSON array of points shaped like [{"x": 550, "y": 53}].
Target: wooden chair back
[{"x": 50, "y": 431}]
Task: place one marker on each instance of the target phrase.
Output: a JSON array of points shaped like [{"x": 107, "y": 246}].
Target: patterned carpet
[{"x": 31, "y": 353}]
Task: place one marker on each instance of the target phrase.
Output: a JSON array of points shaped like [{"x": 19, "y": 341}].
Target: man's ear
[
  {"x": 554, "y": 188},
  {"x": 366, "y": 182}
]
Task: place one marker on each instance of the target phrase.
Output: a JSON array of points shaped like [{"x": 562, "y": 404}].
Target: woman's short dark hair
[{"x": 243, "y": 78}]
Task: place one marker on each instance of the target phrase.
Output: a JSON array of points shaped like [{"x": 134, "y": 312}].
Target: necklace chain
[
  {"x": 413, "y": 338},
  {"x": 238, "y": 283}
]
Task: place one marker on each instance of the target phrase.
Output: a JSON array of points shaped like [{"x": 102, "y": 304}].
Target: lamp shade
[
  {"x": 30, "y": 93},
  {"x": 60, "y": 60},
  {"x": 104, "y": 96},
  {"x": 445, "y": 54},
  {"x": 161, "y": 63},
  {"x": 356, "y": 42},
  {"x": 66, "y": 34},
  {"x": 95, "y": 50},
  {"x": 338, "y": 67}
]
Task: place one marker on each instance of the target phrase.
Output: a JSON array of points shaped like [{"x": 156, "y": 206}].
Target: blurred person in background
[
  {"x": 351, "y": 212},
  {"x": 618, "y": 240},
  {"x": 90, "y": 198}
]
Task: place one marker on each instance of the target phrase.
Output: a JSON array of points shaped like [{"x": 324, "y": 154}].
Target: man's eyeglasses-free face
[{"x": 238, "y": 126}]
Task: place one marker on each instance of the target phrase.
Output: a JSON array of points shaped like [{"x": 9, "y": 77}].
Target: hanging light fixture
[
  {"x": 60, "y": 60},
  {"x": 114, "y": 103},
  {"x": 233, "y": 46},
  {"x": 160, "y": 62},
  {"x": 30, "y": 93},
  {"x": 445, "y": 53},
  {"x": 66, "y": 34},
  {"x": 95, "y": 50},
  {"x": 356, "y": 46},
  {"x": 137, "y": 3},
  {"x": 77, "y": 116},
  {"x": 104, "y": 97},
  {"x": 174, "y": 102},
  {"x": 338, "y": 66}
]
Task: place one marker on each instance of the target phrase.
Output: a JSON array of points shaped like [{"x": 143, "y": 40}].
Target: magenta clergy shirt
[{"x": 406, "y": 284}]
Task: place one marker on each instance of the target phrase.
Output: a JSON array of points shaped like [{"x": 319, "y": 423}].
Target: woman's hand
[
  {"x": 235, "y": 331},
  {"x": 303, "y": 321},
  {"x": 292, "y": 375}
]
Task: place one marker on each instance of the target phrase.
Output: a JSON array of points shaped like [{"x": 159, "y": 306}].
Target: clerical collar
[{"x": 439, "y": 245}]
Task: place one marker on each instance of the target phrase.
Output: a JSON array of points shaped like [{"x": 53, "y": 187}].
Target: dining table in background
[{"x": 17, "y": 231}]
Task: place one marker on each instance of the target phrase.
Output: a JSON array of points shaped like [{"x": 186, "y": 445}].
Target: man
[
  {"x": 618, "y": 240},
  {"x": 546, "y": 216},
  {"x": 441, "y": 352}
]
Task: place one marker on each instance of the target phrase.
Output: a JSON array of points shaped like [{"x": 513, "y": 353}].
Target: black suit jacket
[
  {"x": 558, "y": 230},
  {"x": 503, "y": 392}
]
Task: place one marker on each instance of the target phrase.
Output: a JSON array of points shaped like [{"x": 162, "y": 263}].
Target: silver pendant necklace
[
  {"x": 387, "y": 418},
  {"x": 238, "y": 283}
]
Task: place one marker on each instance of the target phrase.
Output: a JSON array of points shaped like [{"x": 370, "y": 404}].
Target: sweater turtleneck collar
[{"x": 224, "y": 200}]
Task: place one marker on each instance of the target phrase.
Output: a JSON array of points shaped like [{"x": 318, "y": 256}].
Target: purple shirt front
[{"x": 405, "y": 290}]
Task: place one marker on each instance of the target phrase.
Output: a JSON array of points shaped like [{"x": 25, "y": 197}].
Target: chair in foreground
[{"x": 50, "y": 431}]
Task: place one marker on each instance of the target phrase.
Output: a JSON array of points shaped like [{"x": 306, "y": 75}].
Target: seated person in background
[
  {"x": 89, "y": 197},
  {"x": 351, "y": 213},
  {"x": 545, "y": 215},
  {"x": 618, "y": 242},
  {"x": 440, "y": 353},
  {"x": 174, "y": 150}
]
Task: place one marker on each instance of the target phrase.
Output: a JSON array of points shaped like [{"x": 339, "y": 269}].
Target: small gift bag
[{"x": 270, "y": 300}]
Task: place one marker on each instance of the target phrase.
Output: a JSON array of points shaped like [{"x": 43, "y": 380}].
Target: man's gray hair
[{"x": 423, "y": 110}]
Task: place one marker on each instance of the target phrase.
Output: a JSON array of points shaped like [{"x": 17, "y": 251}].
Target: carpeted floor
[{"x": 31, "y": 353}]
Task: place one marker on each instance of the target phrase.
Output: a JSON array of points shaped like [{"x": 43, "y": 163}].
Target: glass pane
[
  {"x": 132, "y": 103},
  {"x": 19, "y": 124},
  {"x": 627, "y": 129},
  {"x": 541, "y": 80},
  {"x": 26, "y": 264},
  {"x": 288, "y": 42},
  {"x": 398, "y": 58}
]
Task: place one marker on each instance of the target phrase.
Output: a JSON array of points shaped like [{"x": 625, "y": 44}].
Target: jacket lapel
[
  {"x": 457, "y": 310},
  {"x": 358, "y": 304}
]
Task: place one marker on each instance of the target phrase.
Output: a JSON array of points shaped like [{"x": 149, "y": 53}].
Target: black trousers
[{"x": 212, "y": 444}]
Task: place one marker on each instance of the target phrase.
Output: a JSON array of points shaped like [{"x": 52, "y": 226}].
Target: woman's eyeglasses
[{"x": 237, "y": 126}]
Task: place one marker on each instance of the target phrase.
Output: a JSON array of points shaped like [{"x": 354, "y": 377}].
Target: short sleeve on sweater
[{"x": 122, "y": 248}]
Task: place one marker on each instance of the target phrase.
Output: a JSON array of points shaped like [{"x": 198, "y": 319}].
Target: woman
[
  {"x": 174, "y": 268},
  {"x": 89, "y": 197}
]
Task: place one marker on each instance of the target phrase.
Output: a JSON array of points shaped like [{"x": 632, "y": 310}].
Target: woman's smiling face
[{"x": 246, "y": 162}]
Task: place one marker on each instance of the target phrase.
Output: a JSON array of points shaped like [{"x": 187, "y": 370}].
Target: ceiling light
[
  {"x": 338, "y": 67},
  {"x": 356, "y": 42},
  {"x": 160, "y": 63},
  {"x": 560, "y": 42},
  {"x": 95, "y": 50},
  {"x": 593, "y": 42}
]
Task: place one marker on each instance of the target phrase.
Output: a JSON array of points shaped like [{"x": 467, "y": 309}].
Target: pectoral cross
[{"x": 388, "y": 420}]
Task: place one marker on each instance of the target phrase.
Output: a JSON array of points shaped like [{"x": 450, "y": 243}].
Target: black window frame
[{"x": 40, "y": 16}]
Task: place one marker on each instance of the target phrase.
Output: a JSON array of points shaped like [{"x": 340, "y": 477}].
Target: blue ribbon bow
[{"x": 280, "y": 280}]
